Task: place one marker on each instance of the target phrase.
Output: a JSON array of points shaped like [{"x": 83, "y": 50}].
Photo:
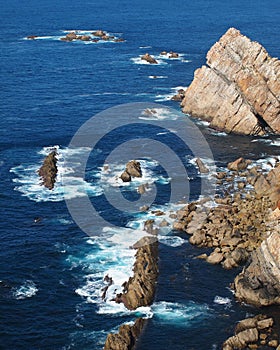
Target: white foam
[
  {"x": 28, "y": 181},
  {"x": 138, "y": 60},
  {"x": 169, "y": 95},
  {"x": 158, "y": 76},
  {"x": 222, "y": 300},
  {"x": 180, "y": 314},
  {"x": 27, "y": 290},
  {"x": 159, "y": 114},
  {"x": 172, "y": 241}
]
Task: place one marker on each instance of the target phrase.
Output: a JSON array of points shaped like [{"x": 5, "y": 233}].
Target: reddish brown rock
[{"x": 238, "y": 90}]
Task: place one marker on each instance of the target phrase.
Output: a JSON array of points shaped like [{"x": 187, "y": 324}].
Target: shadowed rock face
[
  {"x": 239, "y": 89},
  {"x": 127, "y": 336},
  {"x": 48, "y": 170},
  {"x": 259, "y": 282}
]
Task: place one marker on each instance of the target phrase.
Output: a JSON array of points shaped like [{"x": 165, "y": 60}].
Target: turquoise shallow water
[{"x": 51, "y": 271}]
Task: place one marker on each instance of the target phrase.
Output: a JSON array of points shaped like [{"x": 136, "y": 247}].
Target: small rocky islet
[{"x": 85, "y": 36}]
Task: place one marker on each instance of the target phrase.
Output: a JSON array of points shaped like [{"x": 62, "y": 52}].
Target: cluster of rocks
[
  {"x": 138, "y": 291},
  {"x": 150, "y": 59},
  {"x": 132, "y": 169},
  {"x": 48, "y": 170},
  {"x": 234, "y": 227},
  {"x": 238, "y": 223},
  {"x": 94, "y": 37},
  {"x": 126, "y": 337},
  {"x": 170, "y": 54},
  {"x": 253, "y": 333},
  {"x": 239, "y": 89}
]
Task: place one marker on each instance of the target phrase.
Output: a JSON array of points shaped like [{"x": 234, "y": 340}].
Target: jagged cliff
[{"x": 239, "y": 89}]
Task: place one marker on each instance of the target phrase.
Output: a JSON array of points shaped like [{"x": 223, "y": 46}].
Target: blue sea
[{"x": 55, "y": 252}]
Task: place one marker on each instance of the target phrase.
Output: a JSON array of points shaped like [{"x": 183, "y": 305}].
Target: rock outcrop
[
  {"x": 150, "y": 59},
  {"x": 126, "y": 337},
  {"x": 140, "y": 289},
  {"x": 48, "y": 170},
  {"x": 132, "y": 169},
  {"x": 239, "y": 89},
  {"x": 254, "y": 332}
]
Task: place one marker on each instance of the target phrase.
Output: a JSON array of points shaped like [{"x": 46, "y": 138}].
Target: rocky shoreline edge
[{"x": 241, "y": 225}]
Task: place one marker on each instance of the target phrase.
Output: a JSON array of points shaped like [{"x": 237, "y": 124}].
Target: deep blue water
[{"x": 51, "y": 271}]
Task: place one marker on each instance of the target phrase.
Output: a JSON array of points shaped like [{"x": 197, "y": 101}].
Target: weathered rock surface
[
  {"x": 127, "y": 336},
  {"x": 48, "y": 170},
  {"x": 140, "y": 289},
  {"x": 239, "y": 89},
  {"x": 241, "y": 219},
  {"x": 254, "y": 333},
  {"x": 132, "y": 169}
]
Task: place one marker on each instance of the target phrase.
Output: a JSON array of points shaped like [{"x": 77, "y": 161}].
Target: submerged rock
[
  {"x": 48, "y": 170},
  {"x": 238, "y": 90}
]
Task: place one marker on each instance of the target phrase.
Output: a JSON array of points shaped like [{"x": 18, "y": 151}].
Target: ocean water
[{"x": 52, "y": 272}]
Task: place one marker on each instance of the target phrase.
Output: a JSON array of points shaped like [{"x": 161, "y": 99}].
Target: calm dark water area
[{"x": 51, "y": 272}]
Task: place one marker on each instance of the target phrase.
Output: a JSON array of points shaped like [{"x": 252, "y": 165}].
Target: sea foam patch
[
  {"x": 27, "y": 290},
  {"x": 29, "y": 184}
]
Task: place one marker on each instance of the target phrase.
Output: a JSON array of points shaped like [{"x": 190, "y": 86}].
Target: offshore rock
[
  {"x": 239, "y": 89},
  {"x": 48, "y": 170},
  {"x": 140, "y": 288},
  {"x": 127, "y": 336},
  {"x": 150, "y": 59},
  {"x": 132, "y": 169}
]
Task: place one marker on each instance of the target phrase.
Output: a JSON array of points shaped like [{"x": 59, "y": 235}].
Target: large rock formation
[
  {"x": 138, "y": 291},
  {"x": 239, "y": 90},
  {"x": 48, "y": 170}
]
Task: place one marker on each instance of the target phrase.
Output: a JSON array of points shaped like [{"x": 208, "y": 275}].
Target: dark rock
[{"x": 48, "y": 170}]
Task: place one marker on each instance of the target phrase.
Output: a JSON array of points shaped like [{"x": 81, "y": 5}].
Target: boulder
[
  {"x": 238, "y": 90},
  {"x": 48, "y": 170},
  {"x": 150, "y": 59},
  {"x": 99, "y": 33},
  {"x": 179, "y": 96},
  {"x": 201, "y": 166},
  {"x": 239, "y": 164}
]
